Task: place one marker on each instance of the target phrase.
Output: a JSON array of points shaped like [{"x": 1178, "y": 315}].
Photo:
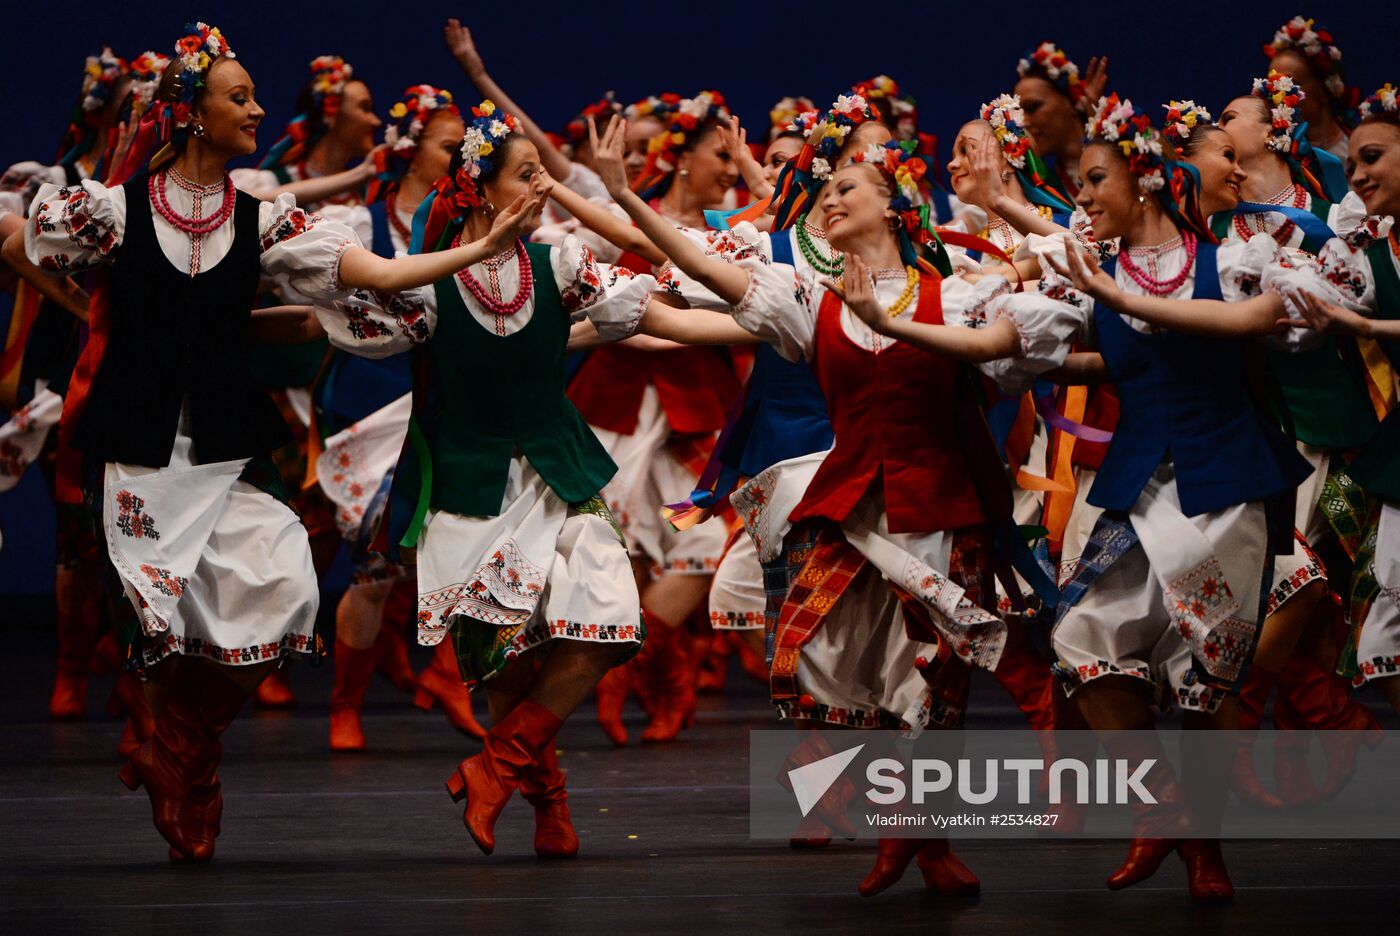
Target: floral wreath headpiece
[
  {"x": 904, "y": 169},
  {"x": 661, "y": 106},
  {"x": 1050, "y": 60},
  {"x": 100, "y": 74},
  {"x": 409, "y": 116},
  {"x": 1320, "y": 172},
  {"x": 1183, "y": 117},
  {"x": 1382, "y": 104},
  {"x": 1282, "y": 96},
  {"x": 329, "y": 75},
  {"x": 690, "y": 115},
  {"x": 1175, "y": 185},
  {"x": 576, "y": 130},
  {"x": 145, "y": 72},
  {"x": 783, "y": 116},
  {"x": 1315, "y": 44},
  {"x": 824, "y": 133},
  {"x": 195, "y": 54},
  {"x": 1008, "y": 122},
  {"x": 902, "y": 107},
  {"x": 455, "y": 196}
]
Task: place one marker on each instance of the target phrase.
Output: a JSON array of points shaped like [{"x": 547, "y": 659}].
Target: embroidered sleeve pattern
[
  {"x": 585, "y": 287},
  {"x": 67, "y": 233}
]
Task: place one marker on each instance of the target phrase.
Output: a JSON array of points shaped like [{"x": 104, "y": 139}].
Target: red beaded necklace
[
  {"x": 480, "y": 293},
  {"x": 155, "y": 186},
  {"x": 391, "y": 205},
  {"x": 1156, "y": 287},
  {"x": 1299, "y": 197}
]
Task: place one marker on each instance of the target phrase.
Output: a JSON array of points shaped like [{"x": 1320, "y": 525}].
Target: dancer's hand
[
  {"x": 609, "y": 153},
  {"x": 1095, "y": 83},
  {"x": 1085, "y": 274},
  {"x": 989, "y": 172},
  {"x": 521, "y": 217},
  {"x": 736, "y": 142},
  {"x": 1328, "y": 317},
  {"x": 463, "y": 48},
  {"x": 857, "y": 289}
]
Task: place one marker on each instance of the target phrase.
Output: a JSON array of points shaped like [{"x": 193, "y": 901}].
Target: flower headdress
[
  {"x": 901, "y": 107},
  {"x": 1175, "y": 185},
  {"x": 329, "y": 75},
  {"x": 409, "y": 116},
  {"x": 100, "y": 73},
  {"x": 166, "y": 123},
  {"x": 825, "y": 134},
  {"x": 576, "y": 131},
  {"x": 1008, "y": 122},
  {"x": 1282, "y": 96},
  {"x": 1315, "y": 44},
  {"x": 1049, "y": 61},
  {"x": 904, "y": 169},
  {"x": 1382, "y": 104},
  {"x": 456, "y": 195},
  {"x": 1183, "y": 117},
  {"x": 1321, "y": 173},
  {"x": 689, "y": 116},
  {"x": 145, "y": 73},
  {"x": 661, "y": 106},
  {"x": 783, "y": 115}
]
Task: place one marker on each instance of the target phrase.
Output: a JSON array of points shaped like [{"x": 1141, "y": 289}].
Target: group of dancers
[{"x": 1117, "y": 380}]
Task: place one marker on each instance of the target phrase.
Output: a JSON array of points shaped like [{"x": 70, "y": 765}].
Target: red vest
[
  {"x": 908, "y": 420},
  {"x": 696, "y": 387}
]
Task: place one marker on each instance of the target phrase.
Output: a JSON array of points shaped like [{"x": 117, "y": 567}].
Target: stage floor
[{"x": 315, "y": 843}]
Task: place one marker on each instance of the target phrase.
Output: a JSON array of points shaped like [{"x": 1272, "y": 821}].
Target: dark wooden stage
[{"x": 315, "y": 843}]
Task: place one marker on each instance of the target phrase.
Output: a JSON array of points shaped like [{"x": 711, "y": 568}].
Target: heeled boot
[
  {"x": 892, "y": 857},
  {"x": 441, "y": 684},
  {"x": 670, "y": 680},
  {"x": 392, "y": 644},
  {"x": 1253, "y": 696},
  {"x": 163, "y": 765},
  {"x": 543, "y": 787},
  {"x": 219, "y": 702},
  {"x": 275, "y": 692},
  {"x": 1206, "y": 876},
  {"x": 487, "y": 780},
  {"x": 611, "y": 695},
  {"x": 354, "y": 667},
  {"x": 1323, "y": 703},
  {"x": 944, "y": 871}
]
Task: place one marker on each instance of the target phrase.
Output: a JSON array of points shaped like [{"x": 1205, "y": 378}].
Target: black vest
[{"x": 172, "y": 335}]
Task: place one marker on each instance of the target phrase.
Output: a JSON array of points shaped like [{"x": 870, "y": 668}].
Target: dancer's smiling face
[
  {"x": 1373, "y": 166},
  {"x": 639, "y": 134},
  {"x": 440, "y": 139},
  {"x": 356, "y": 122},
  {"x": 1212, "y": 151},
  {"x": 855, "y": 206},
  {"x": 227, "y": 111},
  {"x": 1110, "y": 195},
  {"x": 1050, "y": 115}
]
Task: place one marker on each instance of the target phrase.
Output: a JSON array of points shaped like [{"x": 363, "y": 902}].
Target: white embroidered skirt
[{"x": 736, "y": 594}]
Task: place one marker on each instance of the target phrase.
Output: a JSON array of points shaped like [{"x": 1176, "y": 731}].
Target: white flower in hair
[
  {"x": 498, "y": 129},
  {"x": 821, "y": 169}
]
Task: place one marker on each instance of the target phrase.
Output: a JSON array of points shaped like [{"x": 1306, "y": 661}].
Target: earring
[
  {"x": 1142, "y": 201},
  {"x": 685, "y": 173},
  {"x": 199, "y": 130}
]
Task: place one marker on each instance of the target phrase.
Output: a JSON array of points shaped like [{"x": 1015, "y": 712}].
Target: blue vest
[
  {"x": 354, "y": 386},
  {"x": 784, "y": 410},
  {"x": 1184, "y": 398}
]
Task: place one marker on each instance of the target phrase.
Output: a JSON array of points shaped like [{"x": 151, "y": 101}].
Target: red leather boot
[
  {"x": 713, "y": 662},
  {"x": 892, "y": 856},
  {"x": 829, "y": 813},
  {"x": 392, "y": 644},
  {"x": 1027, "y": 679},
  {"x": 672, "y": 688},
  {"x": 354, "y": 668},
  {"x": 1206, "y": 877},
  {"x": 163, "y": 765},
  {"x": 944, "y": 871},
  {"x": 219, "y": 701},
  {"x": 1254, "y": 695},
  {"x": 611, "y": 695},
  {"x": 1152, "y": 840},
  {"x": 441, "y": 683},
  {"x": 275, "y": 692},
  {"x": 543, "y": 787},
  {"x": 487, "y": 780},
  {"x": 129, "y": 700},
  {"x": 1324, "y": 704}
]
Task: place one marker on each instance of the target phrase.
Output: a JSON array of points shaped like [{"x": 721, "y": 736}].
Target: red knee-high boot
[
  {"x": 1323, "y": 703},
  {"x": 441, "y": 683},
  {"x": 1254, "y": 696},
  {"x": 944, "y": 871},
  {"x": 543, "y": 787},
  {"x": 129, "y": 700},
  {"x": 77, "y": 639},
  {"x": 611, "y": 695},
  {"x": 1206, "y": 876},
  {"x": 219, "y": 702},
  {"x": 164, "y": 766},
  {"x": 275, "y": 691},
  {"x": 672, "y": 687},
  {"x": 354, "y": 668},
  {"x": 392, "y": 644},
  {"x": 487, "y": 780}
]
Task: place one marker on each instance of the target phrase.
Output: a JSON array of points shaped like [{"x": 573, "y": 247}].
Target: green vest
[
  {"x": 499, "y": 395},
  {"x": 1326, "y": 396},
  {"x": 1377, "y": 468}
]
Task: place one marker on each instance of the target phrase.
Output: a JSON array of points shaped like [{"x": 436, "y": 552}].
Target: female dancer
[
  {"x": 1165, "y": 600},
  {"x": 1307, "y": 53},
  {"x": 934, "y": 550},
  {"x": 1057, "y": 99},
  {"x": 1373, "y": 164},
  {"x": 519, "y": 561},
  {"x": 216, "y": 569},
  {"x": 363, "y": 409}
]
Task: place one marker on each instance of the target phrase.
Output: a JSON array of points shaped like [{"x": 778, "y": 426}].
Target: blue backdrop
[{"x": 555, "y": 57}]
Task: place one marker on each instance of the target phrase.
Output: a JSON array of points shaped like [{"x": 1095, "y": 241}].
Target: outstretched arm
[
  {"x": 1262, "y": 315},
  {"x": 724, "y": 279},
  {"x": 736, "y": 141},
  {"x": 463, "y": 48},
  {"x": 693, "y": 326},
  {"x": 60, "y": 290},
  {"x": 975, "y": 345},
  {"x": 1329, "y": 317},
  {"x": 607, "y": 225},
  {"x": 362, "y": 269}
]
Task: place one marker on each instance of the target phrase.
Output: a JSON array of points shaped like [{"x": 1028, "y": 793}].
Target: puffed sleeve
[
  {"x": 303, "y": 249},
  {"x": 21, "y": 182},
  {"x": 1250, "y": 268},
  {"x": 1046, "y": 328},
  {"x": 722, "y": 245},
  {"x": 612, "y": 297},
  {"x": 74, "y": 228},
  {"x": 256, "y": 182},
  {"x": 1084, "y": 232},
  {"x": 779, "y": 305},
  {"x": 1341, "y": 272},
  {"x": 355, "y": 217},
  {"x": 374, "y": 326}
]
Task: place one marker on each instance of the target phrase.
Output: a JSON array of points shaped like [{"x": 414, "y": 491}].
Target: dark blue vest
[
  {"x": 784, "y": 409},
  {"x": 354, "y": 387},
  {"x": 1185, "y": 398}
]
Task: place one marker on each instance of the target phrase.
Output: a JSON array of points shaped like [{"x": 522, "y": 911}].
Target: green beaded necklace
[{"x": 814, "y": 256}]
